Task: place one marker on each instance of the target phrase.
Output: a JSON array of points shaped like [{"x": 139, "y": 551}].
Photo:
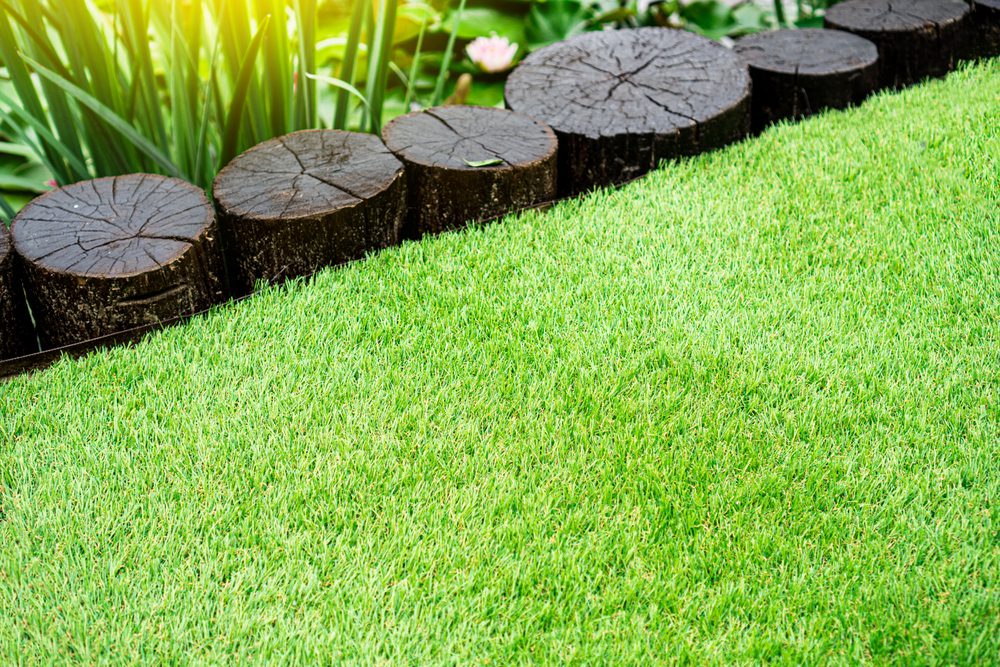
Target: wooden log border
[{"x": 985, "y": 21}]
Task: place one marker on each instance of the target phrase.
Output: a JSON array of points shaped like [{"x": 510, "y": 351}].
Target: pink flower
[
  {"x": 52, "y": 183},
  {"x": 492, "y": 54}
]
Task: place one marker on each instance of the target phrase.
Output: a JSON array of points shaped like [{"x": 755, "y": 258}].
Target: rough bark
[
  {"x": 16, "y": 336},
  {"x": 986, "y": 27},
  {"x": 916, "y": 39},
  {"x": 293, "y": 205},
  {"x": 468, "y": 164},
  {"x": 797, "y": 73},
  {"x": 112, "y": 254},
  {"x": 622, "y": 101}
]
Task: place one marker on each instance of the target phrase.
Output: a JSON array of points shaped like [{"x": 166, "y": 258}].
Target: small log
[
  {"x": 469, "y": 164},
  {"x": 16, "y": 336},
  {"x": 293, "y": 205},
  {"x": 916, "y": 39},
  {"x": 621, "y": 101},
  {"x": 986, "y": 25},
  {"x": 797, "y": 73},
  {"x": 108, "y": 255}
]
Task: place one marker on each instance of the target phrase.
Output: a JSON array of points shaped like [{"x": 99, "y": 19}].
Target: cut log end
[
  {"x": 16, "y": 337},
  {"x": 293, "y": 205},
  {"x": 468, "y": 164},
  {"x": 916, "y": 39},
  {"x": 622, "y": 101},
  {"x": 112, "y": 254},
  {"x": 797, "y": 73}
]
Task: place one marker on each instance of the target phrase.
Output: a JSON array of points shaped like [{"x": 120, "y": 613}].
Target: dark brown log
[
  {"x": 104, "y": 256},
  {"x": 797, "y": 73},
  {"x": 16, "y": 336},
  {"x": 916, "y": 39},
  {"x": 468, "y": 164},
  {"x": 293, "y": 205},
  {"x": 621, "y": 101},
  {"x": 986, "y": 26}
]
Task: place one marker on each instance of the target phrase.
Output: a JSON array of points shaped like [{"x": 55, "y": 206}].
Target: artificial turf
[{"x": 743, "y": 409}]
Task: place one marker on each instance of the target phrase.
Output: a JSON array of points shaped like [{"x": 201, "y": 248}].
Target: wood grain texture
[
  {"x": 986, "y": 28},
  {"x": 621, "y": 101},
  {"x": 466, "y": 164},
  {"x": 16, "y": 336},
  {"x": 111, "y": 254},
  {"x": 916, "y": 39},
  {"x": 797, "y": 73},
  {"x": 293, "y": 205}
]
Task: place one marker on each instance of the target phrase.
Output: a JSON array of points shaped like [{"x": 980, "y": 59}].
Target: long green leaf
[
  {"x": 49, "y": 140},
  {"x": 414, "y": 67},
  {"x": 349, "y": 65},
  {"x": 231, "y": 133},
  {"x": 7, "y": 212},
  {"x": 340, "y": 85},
  {"x": 110, "y": 117},
  {"x": 26, "y": 91},
  {"x": 378, "y": 67},
  {"x": 446, "y": 59}
]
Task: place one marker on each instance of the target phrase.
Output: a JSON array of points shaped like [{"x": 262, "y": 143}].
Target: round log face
[
  {"x": 467, "y": 164},
  {"x": 293, "y": 205},
  {"x": 915, "y": 38},
  {"x": 16, "y": 337},
  {"x": 621, "y": 101},
  {"x": 797, "y": 73},
  {"x": 108, "y": 255}
]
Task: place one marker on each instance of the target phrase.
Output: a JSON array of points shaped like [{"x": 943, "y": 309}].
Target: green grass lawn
[{"x": 745, "y": 408}]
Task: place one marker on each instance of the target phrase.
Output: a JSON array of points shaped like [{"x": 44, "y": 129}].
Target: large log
[
  {"x": 468, "y": 164},
  {"x": 113, "y": 254},
  {"x": 797, "y": 73},
  {"x": 293, "y": 205},
  {"x": 16, "y": 337},
  {"x": 986, "y": 24},
  {"x": 621, "y": 101},
  {"x": 916, "y": 39}
]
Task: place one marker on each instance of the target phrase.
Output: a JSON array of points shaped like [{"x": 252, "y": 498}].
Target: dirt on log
[
  {"x": 621, "y": 101},
  {"x": 112, "y": 254},
  {"x": 797, "y": 73},
  {"x": 916, "y": 39},
  {"x": 468, "y": 164},
  {"x": 16, "y": 336},
  {"x": 986, "y": 27},
  {"x": 293, "y": 205}
]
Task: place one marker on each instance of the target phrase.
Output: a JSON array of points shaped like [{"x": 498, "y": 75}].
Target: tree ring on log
[
  {"x": 915, "y": 38},
  {"x": 797, "y": 73},
  {"x": 621, "y": 101},
  {"x": 469, "y": 164},
  {"x": 16, "y": 336},
  {"x": 295, "y": 204},
  {"x": 104, "y": 256}
]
